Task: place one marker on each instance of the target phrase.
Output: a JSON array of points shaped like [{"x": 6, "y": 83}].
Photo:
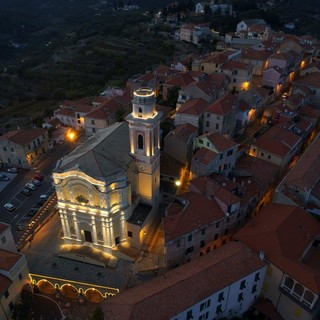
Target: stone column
[
  {"x": 94, "y": 230},
  {"x": 76, "y": 226}
]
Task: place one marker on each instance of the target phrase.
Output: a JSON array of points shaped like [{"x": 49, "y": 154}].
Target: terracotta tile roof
[
  {"x": 182, "y": 132},
  {"x": 168, "y": 295},
  {"x": 193, "y": 107},
  {"x": 262, "y": 91},
  {"x": 100, "y": 99},
  {"x": 274, "y": 68},
  {"x": 250, "y": 53},
  {"x": 124, "y": 99},
  {"x": 65, "y": 112},
  {"x": 183, "y": 79},
  {"x": 4, "y": 227},
  {"x": 263, "y": 171},
  {"x": 302, "y": 176},
  {"x": 280, "y": 56},
  {"x": 217, "y": 78},
  {"x": 309, "y": 111},
  {"x": 258, "y": 28},
  {"x": 284, "y": 232},
  {"x": 105, "y": 110},
  {"x": 8, "y": 259},
  {"x": 311, "y": 79},
  {"x": 5, "y": 284},
  {"x": 23, "y": 137},
  {"x": 244, "y": 106},
  {"x": 277, "y": 140},
  {"x": 225, "y": 195},
  {"x": 231, "y": 65},
  {"x": 220, "y": 142},
  {"x": 191, "y": 216},
  {"x": 83, "y": 108},
  {"x": 223, "y": 105},
  {"x": 215, "y": 58},
  {"x": 205, "y": 86},
  {"x": 204, "y": 156}
]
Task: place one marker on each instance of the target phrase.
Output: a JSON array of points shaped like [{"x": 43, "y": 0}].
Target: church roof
[{"x": 102, "y": 155}]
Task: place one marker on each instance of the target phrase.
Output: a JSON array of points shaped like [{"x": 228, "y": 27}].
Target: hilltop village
[{"x": 191, "y": 193}]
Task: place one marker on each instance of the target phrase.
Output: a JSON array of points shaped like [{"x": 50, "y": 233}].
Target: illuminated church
[{"x": 108, "y": 187}]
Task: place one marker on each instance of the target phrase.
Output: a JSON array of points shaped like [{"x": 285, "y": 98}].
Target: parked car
[
  {"x": 9, "y": 206},
  {"x": 25, "y": 192},
  {"x": 30, "y": 186},
  {"x": 44, "y": 197},
  {"x": 13, "y": 170},
  {"x": 36, "y": 182},
  {"x": 3, "y": 177},
  {"x": 39, "y": 177}
]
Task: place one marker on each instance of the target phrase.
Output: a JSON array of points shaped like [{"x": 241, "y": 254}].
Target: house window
[
  {"x": 207, "y": 124},
  {"x": 234, "y": 80},
  {"x": 216, "y": 236},
  {"x": 217, "y": 224},
  {"x": 12, "y": 149},
  {"x": 243, "y": 284},
  {"x": 178, "y": 244},
  {"x": 94, "y": 130},
  {"x": 257, "y": 277},
  {"x": 269, "y": 157},
  {"x": 140, "y": 110},
  {"x": 202, "y": 68},
  {"x": 205, "y": 305},
  {"x": 229, "y": 153},
  {"x": 78, "y": 116},
  {"x": 219, "y": 308},
  {"x": 93, "y": 122},
  {"x": 20, "y": 276},
  {"x": 203, "y": 231},
  {"x": 221, "y": 156},
  {"x": 140, "y": 141},
  {"x": 200, "y": 141},
  {"x": 240, "y": 297},
  {"x": 208, "y": 115},
  {"x": 189, "y": 237},
  {"x": 220, "y": 297},
  {"x": 6, "y": 294},
  {"x": 79, "y": 121},
  {"x": 217, "y": 126},
  {"x": 189, "y": 250},
  {"x": 202, "y": 244},
  {"x": 218, "y": 117},
  {"x": 129, "y": 234},
  {"x": 262, "y": 154},
  {"x": 3, "y": 240},
  {"x": 254, "y": 289},
  {"x": 189, "y": 315},
  {"x": 4, "y": 149},
  {"x": 226, "y": 231}
]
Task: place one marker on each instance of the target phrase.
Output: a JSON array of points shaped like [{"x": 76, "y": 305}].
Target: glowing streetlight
[
  {"x": 178, "y": 183},
  {"x": 71, "y": 135}
]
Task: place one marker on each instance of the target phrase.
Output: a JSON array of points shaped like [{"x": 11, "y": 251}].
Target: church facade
[{"x": 108, "y": 187}]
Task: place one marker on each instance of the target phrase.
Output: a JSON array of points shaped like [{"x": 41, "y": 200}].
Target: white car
[
  {"x": 13, "y": 170},
  {"x": 31, "y": 186},
  {"x": 36, "y": 182},
  {"x": 9, "y": 206},
  {"x": 44, "y": 197}
]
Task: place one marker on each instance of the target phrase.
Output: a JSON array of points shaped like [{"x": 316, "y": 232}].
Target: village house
[
  {"x": 245, "y": 25},
  {"x": 213, "y": 154},
  {"x": 312, "y": 81},
  {"x": 279, "y": 145},
  {"x": 301, "y": 186},
  {"x": 213, "y": 295},
  {"x": 257, "y": 59},
  {"x": 22, "y": 148},
  {"x": 14, "y": 273},
  {"x": 191, "y": 112},
  {"x": 220, "y": 116},
  {"x": 179, "y": 142},
  {"x": 274, "y": 77},
  {"x": 287, "y": 237}
]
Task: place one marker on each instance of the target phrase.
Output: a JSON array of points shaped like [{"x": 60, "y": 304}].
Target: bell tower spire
[{"x": 144, "y": 130}]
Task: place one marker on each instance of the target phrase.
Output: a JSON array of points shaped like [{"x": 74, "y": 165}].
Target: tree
[
  {"x": 98, "y": 314},
  {"x": 173, "y": 94}
]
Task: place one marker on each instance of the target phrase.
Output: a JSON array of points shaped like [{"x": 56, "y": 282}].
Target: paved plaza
[{"x": 47, "y": 257}]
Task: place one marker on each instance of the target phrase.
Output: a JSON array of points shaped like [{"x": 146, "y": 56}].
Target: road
[{"x": 11, "y": 191}]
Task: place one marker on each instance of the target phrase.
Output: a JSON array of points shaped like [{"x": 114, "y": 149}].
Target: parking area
[{"x": 5, "y": 183}]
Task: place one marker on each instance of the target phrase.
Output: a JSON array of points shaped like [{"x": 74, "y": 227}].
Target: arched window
[
  {"x": 289, "y": 283},
  {"x": 140, "y": 141},
  {"x": 298, "y": 289},
  {"x": 308, "y": 297},
  {"x": 140, "y": 110}
]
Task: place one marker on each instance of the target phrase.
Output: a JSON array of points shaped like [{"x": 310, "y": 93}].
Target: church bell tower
[{"x": 144, "y": 130}]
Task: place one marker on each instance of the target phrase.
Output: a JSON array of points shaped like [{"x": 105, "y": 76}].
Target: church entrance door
[{"x": 87, "y": 236}]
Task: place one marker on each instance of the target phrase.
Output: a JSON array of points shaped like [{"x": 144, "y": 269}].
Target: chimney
[{"x": 261, "y": 255}]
